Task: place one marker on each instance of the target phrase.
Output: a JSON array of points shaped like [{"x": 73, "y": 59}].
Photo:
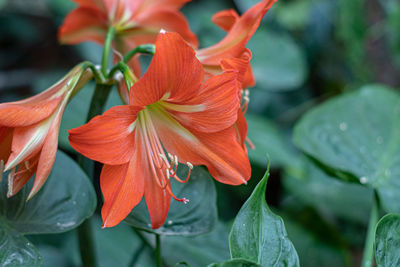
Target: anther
[
  {"x": 176, "y": 160},
  {"x": 11, "y": 182},
  {"x": 190, "y": 165},
  {"x": 26, "y": 164}
]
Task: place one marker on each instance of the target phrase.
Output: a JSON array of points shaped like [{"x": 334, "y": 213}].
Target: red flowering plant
[{"x": 181, "y": 124}]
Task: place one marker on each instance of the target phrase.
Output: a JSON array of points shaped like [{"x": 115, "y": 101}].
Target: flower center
[{"x": 162, "y": 165}]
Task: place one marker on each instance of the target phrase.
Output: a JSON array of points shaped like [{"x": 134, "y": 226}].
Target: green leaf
[
  {"x": 16, "y": 250},
  {"x": 352, "y": 31},
  {"x": 199, "y": 15},
  {"x": 259, "y": 235},
  {"x": 387, "y": 241},
  {"x": 244, "y": 5},
  {"x": 197, "y": 251},
  {"x": 117, "y": 246},
  {"x": 317, "y": 242},
  {"x": 268, "y": 140},
  {"x": 328, "y": 195},
  {"x": 302, "y": 8},
  {"x": 64, "y": 202},
  {"x": 356, "y": 136},
  {"x": 235, "y": 263},
  {"x": 198, "y": 216},
  {"x": 278, "y": 62}
]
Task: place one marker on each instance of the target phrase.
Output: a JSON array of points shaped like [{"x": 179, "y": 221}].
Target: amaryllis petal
[
  {"x": 174, "y": 73},
  {"x": 174, "y": 4},
  {"x": 213, "y": 109},
  {"x": 157, "y": 199},
  {"x": 170, "y": 20},
  {"x": 16, "y": 180},
  {"x": 92, "y": 3},
  {"x": 27, "y": 141},
  {"x": 241, "y": 65},
  {"x": 225, "y": 19},
  {"x": 108, "y": 138},
  {"x": 249, "y": 80},
  {"x": 47, "y": 154},
  {"x": 234, "y": 42},
  {"x": 5, "y": 145},
  {"x": 17, "y": 114},
  {"x": 220, "y": 152},
  {"x": 122, "y": 187},
  {"x": 241, "y": 128},
  {"x": 29, "y": 131},
  {"x": 83, "y": 24}
]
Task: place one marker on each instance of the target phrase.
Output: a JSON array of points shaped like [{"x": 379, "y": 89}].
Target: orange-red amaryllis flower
[
  {"x": 29, "y": 132},
  {"x": 172, "y": 116},
  {"x": 136, "y": 22},
  {"x": 231, "y": 51}
]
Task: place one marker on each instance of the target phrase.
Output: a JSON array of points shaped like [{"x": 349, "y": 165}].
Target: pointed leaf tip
[{"x": 259, "y": 235}]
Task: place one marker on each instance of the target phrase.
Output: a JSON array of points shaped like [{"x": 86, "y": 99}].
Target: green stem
[
  {"x": 98, "y": 76},
  {"x": 99, "y": 100},
  {"x": 143, "y": 49},
  {"x": 106, "y": 52},
  {"x": 158, "y": 251},
  {"x": 86, "y": 244},
  {"x": 129, "y": 77},
  {"x": 368, "y": 256}
]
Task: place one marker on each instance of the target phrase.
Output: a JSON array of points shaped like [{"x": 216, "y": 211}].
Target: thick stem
[
  {"x": 368, "y": 256},
  {"x": 99, "y": 100},
  {"x": 106, "y": 52},
  {"x": 158, "y": 251},
  {"x": 86, "y": 244}
]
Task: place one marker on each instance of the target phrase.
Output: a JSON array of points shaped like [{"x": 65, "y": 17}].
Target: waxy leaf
[
  {"x": 16, "y": 250},
  {"x": 235, "y": 263},
  {"x": 317, "y": 242},
  {"x": 314, "y": 187},
  {"x": 259, "y": 235},
  {"x": 64, "y": 202},
  {"x": 198, "y": 216},
  {"x": 197, "y": 251},
  {"x": 387, "y": 241},
  {"x": 356, "y": 137},
  {"x": 278, "y": 62},
  {"x": 267, "y": 139}
]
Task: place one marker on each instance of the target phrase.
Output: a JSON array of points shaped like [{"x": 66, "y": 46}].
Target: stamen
[
  {"x": 164, "y": 160},
  {"x": 190, "y": 165},
  {"x": 246, "y": 100},
  {"x": 26, "y": 164},
  {"x": 184, "y": 200},
  {"x": 11, "y": 182},
  {"x": 250, "y": 143},
  {"x": 174, "y": 171}
]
